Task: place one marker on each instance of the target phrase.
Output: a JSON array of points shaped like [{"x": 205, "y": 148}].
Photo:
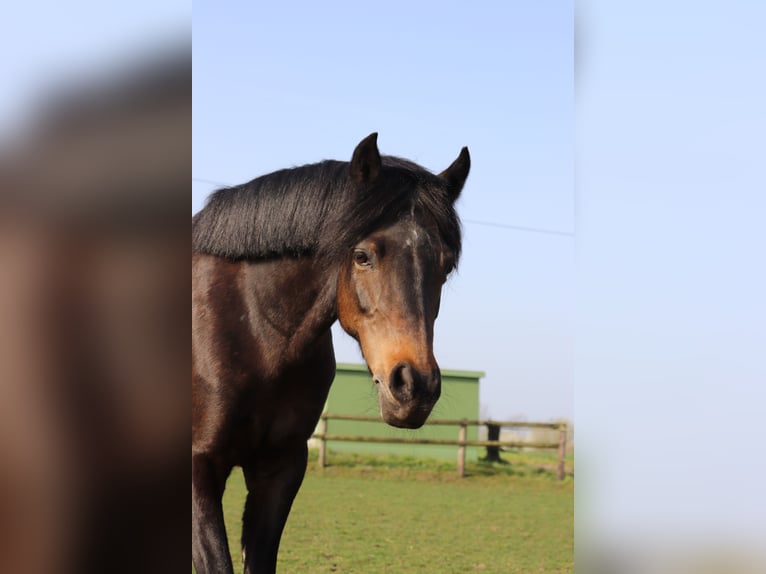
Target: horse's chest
[{"x": 285, "y": 413}]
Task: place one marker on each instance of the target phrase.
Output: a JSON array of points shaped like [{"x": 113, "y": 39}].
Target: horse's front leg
[
  {"x": 210, "y": 548},
  {"x": 272, "y": 481}
]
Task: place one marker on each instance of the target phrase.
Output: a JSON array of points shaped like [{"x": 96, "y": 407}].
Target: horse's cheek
[{"x": 347, "y": 309}]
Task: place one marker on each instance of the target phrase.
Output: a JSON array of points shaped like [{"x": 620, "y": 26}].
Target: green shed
[{"x": 354, "y": 393}]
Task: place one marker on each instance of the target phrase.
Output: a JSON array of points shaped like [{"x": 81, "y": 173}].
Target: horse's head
[{"x": 390, "y": 284}]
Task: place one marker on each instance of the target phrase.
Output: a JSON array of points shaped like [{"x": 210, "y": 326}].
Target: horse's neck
[{"x": 291, "y": 299}]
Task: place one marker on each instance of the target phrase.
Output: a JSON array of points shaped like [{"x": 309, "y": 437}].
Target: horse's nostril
[{"x": 403, "y": 381}]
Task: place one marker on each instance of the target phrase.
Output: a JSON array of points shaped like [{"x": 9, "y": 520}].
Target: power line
[
  {"x": 471, "y": 221},
  {"x": 519, "y": 227},
  {"x": 210, "y": 181}
]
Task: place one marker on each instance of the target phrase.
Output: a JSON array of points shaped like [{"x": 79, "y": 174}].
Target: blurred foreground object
[
  {"x": 94, "y": 326},
  {"x": 672, "y": 557}
]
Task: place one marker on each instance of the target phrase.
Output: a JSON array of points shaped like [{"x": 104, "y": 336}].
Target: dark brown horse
[{"x": 275, "y": 262}]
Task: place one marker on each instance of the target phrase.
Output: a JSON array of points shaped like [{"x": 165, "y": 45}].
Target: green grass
[{"x": 368, "y": 515}]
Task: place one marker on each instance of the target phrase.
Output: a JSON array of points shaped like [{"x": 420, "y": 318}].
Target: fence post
[
  {"x": 322, "y": 442},
  {"x": 562, "y": 449},
  {"x": 462, "y": 436},
  {"x": 493, "y": 452}
]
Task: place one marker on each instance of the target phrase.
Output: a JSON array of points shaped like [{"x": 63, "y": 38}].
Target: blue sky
[{"x": 281, "y": 84}]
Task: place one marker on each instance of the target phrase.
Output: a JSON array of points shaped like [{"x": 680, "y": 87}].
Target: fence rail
[{"x": 461, "y": 442}]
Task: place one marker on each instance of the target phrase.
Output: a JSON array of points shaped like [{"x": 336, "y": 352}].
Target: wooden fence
[{"x": 461, "y": 442}]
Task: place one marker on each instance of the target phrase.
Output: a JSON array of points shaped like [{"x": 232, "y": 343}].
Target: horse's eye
[
  {"x": 448, "y": 263},
  {"x": 361, "y": 258}
]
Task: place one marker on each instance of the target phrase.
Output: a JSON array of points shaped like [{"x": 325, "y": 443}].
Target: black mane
[{"x": 317, "y": 210}]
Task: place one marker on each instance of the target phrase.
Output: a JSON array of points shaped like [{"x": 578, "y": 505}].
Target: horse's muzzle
[{"x": 407, "y": 395}]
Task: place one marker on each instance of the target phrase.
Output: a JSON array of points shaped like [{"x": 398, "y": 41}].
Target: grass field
[{"x": 372, "y": 515}]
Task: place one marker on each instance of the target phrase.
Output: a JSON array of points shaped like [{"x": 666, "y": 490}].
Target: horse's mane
[{"x": 317, "y": 210}]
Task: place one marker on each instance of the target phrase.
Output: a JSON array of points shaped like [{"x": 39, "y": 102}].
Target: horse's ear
[
  {"x": 456, "y": 174},
  {"x": 365, "y": 163}
]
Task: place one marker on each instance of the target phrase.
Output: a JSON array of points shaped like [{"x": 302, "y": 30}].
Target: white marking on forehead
[
  {"x": 413, "y": 238},
  {"x": 416, "y": 267}
]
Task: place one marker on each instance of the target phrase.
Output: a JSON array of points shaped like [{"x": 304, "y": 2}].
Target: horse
[{"x": 275, "y": 262}]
